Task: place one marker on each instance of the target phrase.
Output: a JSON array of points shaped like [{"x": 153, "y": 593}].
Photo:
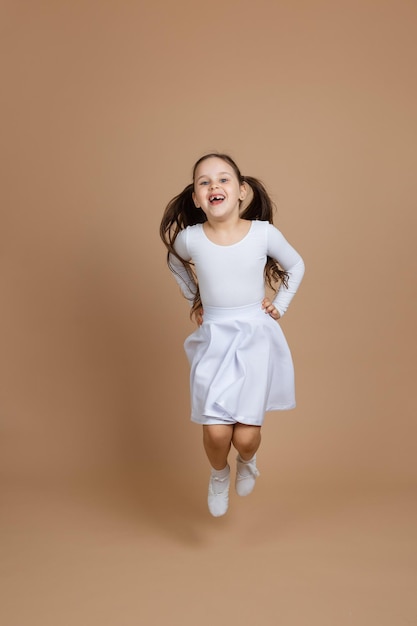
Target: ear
[
  {"x": 243, "y": 191},
  {"x": 197, "y": 206}
]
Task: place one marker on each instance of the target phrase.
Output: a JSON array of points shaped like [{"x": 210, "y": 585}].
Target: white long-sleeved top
[{"x": 233, "y": 275}]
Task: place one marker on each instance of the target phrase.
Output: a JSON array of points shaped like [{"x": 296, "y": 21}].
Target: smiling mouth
[{"x": 216, "y": 199}]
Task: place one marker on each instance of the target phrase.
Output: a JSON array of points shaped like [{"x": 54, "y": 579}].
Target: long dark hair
[{"x": 181, "y": 212}]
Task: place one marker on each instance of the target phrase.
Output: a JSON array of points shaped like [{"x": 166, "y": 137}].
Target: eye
[
  {"x": 204, "y": 182},
  {"x": 224, "y": 180}
]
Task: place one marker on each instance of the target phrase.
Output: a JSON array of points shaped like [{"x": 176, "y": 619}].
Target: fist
[
  {"x": 269, "y": 308},
  {"x": 198, "y": 316}
]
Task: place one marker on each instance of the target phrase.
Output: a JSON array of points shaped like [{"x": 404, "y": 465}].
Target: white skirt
[{"x": 241, "y": 367}]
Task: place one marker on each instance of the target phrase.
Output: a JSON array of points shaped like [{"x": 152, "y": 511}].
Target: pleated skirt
[{"x": 240, "y": 367}]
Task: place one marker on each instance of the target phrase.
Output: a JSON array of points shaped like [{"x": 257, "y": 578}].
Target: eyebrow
[{"x": 219, "y": 174}]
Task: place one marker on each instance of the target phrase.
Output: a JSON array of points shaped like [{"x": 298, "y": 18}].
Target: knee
[
  {"x": 247, "y": 440},
  {"x": 217, "y": 436}
]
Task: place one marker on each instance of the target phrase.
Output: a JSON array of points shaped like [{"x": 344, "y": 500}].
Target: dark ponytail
[
  {"x": 179, "y": 213},
  {"x": 182, "y": 212},
  {"x": 262, "y": 208}
]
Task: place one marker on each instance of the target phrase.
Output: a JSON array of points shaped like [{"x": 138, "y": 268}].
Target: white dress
[{"x": 241, "y": 365}]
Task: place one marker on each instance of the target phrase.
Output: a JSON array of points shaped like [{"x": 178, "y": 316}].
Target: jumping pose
[{"x": 223, "y": 256}]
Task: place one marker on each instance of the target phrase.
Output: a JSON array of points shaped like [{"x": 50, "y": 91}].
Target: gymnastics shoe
[
  {"x": 246, "y": 475},
  {"x": 218, "y": 492}
]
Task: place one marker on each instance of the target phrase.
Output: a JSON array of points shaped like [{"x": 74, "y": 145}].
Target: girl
[{"x": 222, "y": 256}]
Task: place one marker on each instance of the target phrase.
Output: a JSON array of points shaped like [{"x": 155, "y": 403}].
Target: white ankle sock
[
  {"x": 224, "y": 473},
  {"x": 239, "y": 458}
]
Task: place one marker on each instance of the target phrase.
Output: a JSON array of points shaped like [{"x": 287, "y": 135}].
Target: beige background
[{"x": 105, "y": 107}]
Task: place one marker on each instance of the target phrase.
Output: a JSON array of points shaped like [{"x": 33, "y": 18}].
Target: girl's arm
[
  {"x": 289, "y": 259},
  {"x": 181, "y": 276},
  {"x": 177, "y": 268}
]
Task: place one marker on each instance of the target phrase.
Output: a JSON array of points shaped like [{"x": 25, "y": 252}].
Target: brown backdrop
[{"x": 105, "y": 108}]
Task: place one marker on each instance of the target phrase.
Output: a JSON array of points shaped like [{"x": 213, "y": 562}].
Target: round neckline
[{"x": 229, "y": 245}]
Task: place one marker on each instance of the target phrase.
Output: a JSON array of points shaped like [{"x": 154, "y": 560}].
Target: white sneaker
[
  {"x": 218, "y": 495},
  {"x": 246, "y": 475}
]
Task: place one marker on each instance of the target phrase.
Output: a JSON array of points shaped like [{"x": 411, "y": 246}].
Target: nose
[{"x": 213, "y": 184}]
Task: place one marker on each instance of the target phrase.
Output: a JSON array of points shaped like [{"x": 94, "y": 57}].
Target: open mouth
[{"x": 217, "y": 198}]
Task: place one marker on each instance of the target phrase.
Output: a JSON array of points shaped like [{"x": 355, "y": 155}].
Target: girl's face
[{"x": 217, "y": 190}]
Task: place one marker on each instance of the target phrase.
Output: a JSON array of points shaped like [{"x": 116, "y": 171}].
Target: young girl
[{"x": 222, "y": 257}]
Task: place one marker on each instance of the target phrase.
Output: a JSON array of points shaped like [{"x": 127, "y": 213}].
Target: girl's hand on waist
[
  {"x": 269, "y": 308},
  {"x": 198, "y": 316}
]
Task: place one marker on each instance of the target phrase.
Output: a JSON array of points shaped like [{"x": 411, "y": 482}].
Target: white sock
[
  {"x": 224, "y": 473},
  {"x": 239, "y": 458}
]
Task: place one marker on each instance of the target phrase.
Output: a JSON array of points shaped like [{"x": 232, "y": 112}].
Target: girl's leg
[
  {"x": 217, "y": 440},
  {"x": 246, "y": 439}
]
